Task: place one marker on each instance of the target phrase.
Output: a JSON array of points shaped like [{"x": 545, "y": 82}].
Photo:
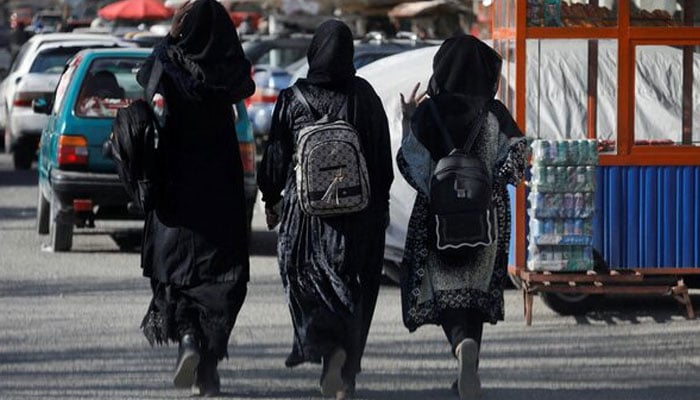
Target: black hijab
[
  {"x": 209, "y": 50},
  {"x": 466, "y": 73},
  {"x": 331, "y": 55}
]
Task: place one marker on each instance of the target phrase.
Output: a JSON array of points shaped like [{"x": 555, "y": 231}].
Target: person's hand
[
  {"x": 409, "y": 107},
  {"x": 179, "y": 16},
  {"x": 386, "y": 219},
  {"x": 272, "y": 215}
]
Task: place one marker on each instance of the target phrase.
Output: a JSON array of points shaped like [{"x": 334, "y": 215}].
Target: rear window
[
  {"x": 109, "y": 84},
  {"x": 53, "y": 61}
]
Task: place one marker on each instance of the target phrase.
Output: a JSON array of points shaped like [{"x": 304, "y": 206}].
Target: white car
[{"x": 34, "y": 74}]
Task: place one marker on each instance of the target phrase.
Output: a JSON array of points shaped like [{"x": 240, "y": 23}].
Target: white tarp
[
  {"x": 557, "y": 90},
  {"x": 563, "y": 80}
]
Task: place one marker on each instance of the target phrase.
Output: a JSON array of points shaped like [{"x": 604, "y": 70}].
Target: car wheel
[
  {"x": 60, "y": 227},
  {"x": 569, "y": 303},
  {"x": 42, "y": 214},
  {"x": 22, "y": 155}
]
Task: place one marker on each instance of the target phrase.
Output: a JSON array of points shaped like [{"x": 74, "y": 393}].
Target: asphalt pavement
[{"x": 69, "y": 329}]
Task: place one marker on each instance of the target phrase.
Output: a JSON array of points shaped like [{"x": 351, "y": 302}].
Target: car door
[{"x": 48, "y": 143}]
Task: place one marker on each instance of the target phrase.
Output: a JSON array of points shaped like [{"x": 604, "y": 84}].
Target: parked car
[
  {"x": 46, "y": 21},
  {"x": 33, "y": 74},
  {"x": 277, "y": 51},
  {"x": 77, "y": 182},
  {"x": 269, "y": 81}
]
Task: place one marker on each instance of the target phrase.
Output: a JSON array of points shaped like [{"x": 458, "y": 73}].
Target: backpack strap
[
  {"x": 476, "y": 130},
  {"x": 342, "y": 113},
  {"x": 153, "y": 80},
  {"x": 481, "y": 117},
  {"x": 302, "y": 99}
]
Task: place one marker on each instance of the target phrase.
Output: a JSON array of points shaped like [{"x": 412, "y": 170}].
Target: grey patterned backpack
[{"x": 331, "y": 171}]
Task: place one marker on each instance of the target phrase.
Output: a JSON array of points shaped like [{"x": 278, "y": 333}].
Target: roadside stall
[{"x": 624, "y": 75}]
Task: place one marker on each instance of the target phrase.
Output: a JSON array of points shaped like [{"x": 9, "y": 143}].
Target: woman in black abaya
[
  {"x": 330, "y": 267},
  {"x": 459, "y": 294},
  {"x": 195, "y": 245}
]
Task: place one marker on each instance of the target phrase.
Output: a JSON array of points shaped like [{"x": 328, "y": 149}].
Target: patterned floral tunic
[{"x": 430, "y": 283}]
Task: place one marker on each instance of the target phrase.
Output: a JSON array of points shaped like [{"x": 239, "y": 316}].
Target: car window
[
  {"x": 53, "y": 61},
  {"x": 281, "y": 57},
  {"x": 60, "y": 93},
  {"x": 108, "y": 85},
  {"x": 20, "y": 56}
]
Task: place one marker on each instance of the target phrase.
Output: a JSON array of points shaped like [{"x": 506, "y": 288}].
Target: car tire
[
  {"x": 60, "y": 230},
  {"x": 569, "y": 303},
  {"x": 22, "y": 155},
  {"x": 42, "y": 214}
]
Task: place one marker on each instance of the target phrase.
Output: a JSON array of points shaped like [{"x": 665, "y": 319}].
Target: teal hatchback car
[{"x": 77, "y": 182}]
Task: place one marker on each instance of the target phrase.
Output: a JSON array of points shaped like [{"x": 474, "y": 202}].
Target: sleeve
[
  {"x": 512, "y": 147},
  {"x": 277, "y": 155},
  {"x": 382, "y": 170},
  {"x": 145, "y": 71},
  {"x": 510, "y": 169},
  {"x": 415, "y": 162}
]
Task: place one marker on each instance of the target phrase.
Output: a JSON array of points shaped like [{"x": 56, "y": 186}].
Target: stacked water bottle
[{"x": 561, "y": 205}]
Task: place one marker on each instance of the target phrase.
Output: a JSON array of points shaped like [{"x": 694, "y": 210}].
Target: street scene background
[{"x": 69, "y": 329}]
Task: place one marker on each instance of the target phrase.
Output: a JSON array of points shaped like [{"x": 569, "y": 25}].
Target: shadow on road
[
  {"x": 18, "y": 178},
  {"x": 263, "y": 243},
  {"x": 31, "y": 288},
  {"x": 614, "y": 310},
  {"x": 17, "y": 212}
]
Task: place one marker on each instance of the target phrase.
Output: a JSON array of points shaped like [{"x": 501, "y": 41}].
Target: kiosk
[{"x": 627, "y": 74}]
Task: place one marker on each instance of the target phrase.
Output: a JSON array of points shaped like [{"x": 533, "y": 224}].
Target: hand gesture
[
  {"x": 409, "y": 107},
  {"x": 179, "y": 16},
  {"x": 272, "y": 215}
]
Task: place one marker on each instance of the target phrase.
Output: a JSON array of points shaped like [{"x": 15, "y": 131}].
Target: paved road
[{"x": 69, "y": 330}]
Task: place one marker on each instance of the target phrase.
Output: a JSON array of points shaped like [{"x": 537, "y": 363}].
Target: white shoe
[{"x": 468, "y": 382}]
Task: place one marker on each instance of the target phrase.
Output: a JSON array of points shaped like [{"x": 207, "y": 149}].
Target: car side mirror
[{"x": 41, "y": 106}]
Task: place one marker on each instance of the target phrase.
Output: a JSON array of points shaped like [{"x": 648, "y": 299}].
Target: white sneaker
[{"x": 468, "y": 382}]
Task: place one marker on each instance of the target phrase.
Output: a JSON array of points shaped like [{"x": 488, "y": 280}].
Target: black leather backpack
[
  {"x": 460, "y": 195},
  {"x": 133, "y": 147}
]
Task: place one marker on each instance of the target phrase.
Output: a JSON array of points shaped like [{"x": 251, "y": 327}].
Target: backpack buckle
[{"x": 460, "y": 189}]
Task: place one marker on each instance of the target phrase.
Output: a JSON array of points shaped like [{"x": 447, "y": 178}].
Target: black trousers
[{"x": 462, "y": 324}]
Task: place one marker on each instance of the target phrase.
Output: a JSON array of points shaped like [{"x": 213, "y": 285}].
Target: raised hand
[{"x": 409, "y": 107}]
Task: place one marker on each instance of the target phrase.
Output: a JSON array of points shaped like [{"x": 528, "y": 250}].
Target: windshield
[
  {"x": 52, "y": 61},
  {"x": 108, "y": 85}
]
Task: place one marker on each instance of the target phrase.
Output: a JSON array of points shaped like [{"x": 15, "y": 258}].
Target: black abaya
[
  {"x": 195, "y": 241},
  {"x": 330, "y": 267}
]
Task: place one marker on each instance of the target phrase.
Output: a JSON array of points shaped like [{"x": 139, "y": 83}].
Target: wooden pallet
[{"x": 655, "y": 282}]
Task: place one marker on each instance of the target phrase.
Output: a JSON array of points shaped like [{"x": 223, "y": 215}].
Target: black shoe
[
  {"x": 187, "y": 360},
  {"x": 207, "y": 382}
]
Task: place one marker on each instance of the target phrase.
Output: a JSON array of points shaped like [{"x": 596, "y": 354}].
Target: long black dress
[
  {"x": 330, "y": 267},
  {"x": 195, "y": 241},
  {"x": 465, "y": 78}
]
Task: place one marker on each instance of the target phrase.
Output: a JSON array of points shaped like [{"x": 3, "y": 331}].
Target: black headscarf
[
  {"x": 466, "y": 73},
  {"x": 331, "y": 55},
  {"x": 209, "y": 50},
  {"x": 465, "y": 65}
]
